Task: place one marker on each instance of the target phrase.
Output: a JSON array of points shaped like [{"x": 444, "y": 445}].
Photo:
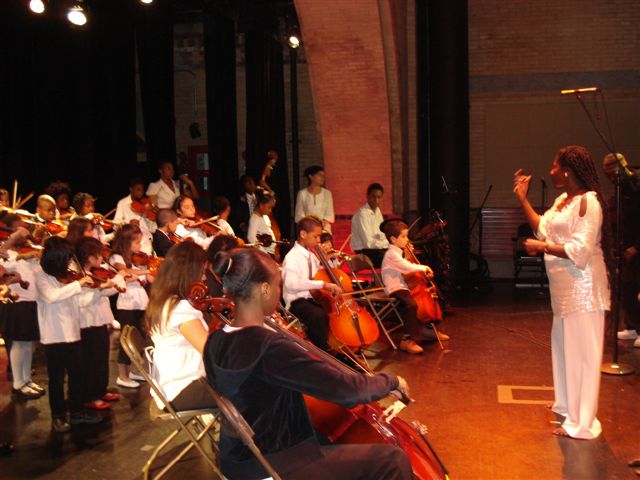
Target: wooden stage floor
[{"x": 482, "y": 398}]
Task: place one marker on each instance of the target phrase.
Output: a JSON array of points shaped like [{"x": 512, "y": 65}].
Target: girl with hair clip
[
  {"x": 131, "y": 304},
  {"x": 79, "y": 228},
  {"x": 576, "y": 241},
  {"x": 264, "y": 374},
  {"x": 95, "y": 316},
  {"x": 178, "y": 330},
  {"x": 260, "y": 223},
  {"x": 59, "y": 321},
  {"x": 315, "y": 199}
]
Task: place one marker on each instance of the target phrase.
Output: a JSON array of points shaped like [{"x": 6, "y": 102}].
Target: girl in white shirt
[
  {"x": 59, "y": 322},
  {"x": 222, "y": 208},
  {"x": 186, "y": 210},
  {"x": 315, "y": 200},
  {"x": 260, "y": 223},
  {"x": 95, "y": 316},
  {"x": 131, "y": 304},
  {"x": 178, "y": 330}
]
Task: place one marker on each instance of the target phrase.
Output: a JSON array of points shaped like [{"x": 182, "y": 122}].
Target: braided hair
[{"x": 579, "y": 161}]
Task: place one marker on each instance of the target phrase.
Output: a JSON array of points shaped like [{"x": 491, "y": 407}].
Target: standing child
[
  {"x": 394, "y": 266},
  {"x": 132, "y": 303},
  {"x": 95, "y": 316},
  {"x": 59, "y": 322}
]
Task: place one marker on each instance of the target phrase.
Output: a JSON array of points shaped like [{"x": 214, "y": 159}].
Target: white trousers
[{"x": 576, "y": 354}]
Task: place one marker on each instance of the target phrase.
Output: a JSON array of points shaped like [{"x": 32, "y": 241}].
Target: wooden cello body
[{"x": 424, "y": 292}]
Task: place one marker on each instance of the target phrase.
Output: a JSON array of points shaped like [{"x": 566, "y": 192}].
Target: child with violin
[
  {"x": 95, "y": 317},
  {"x": 187, "y": 221},
  {"x": 394, "y": 266},
  {"x": 298, "y": 270},
  {"x": 132, "y": 303},
  {"x": 260, "y": 223},
  {"x": 178, "y": 330},
  {"x": 265, "y": 374},
  {"x": 19, "y": 319},
  {"x": 84, "y": 205},
  {"x": 61, "y": 193},
  {"x": 79, "y": 228},
  {"x": 221, "y": 243},
  {"x": 125, "y": 213},
  {"x": 59, "y": 290},
  {"x": 222, "y": 209},
  {"x": 163, "y": 237}
]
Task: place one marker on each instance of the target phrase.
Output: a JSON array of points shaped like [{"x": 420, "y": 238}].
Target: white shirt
[
  {"x": 58, "y": 310},
  {"x": 251, "y": 201},
  {"x": 299, "y": 266},
  {"x": 124, "y": 214},
  {"x": 365, "y": 229},
  {"x": 394, "y": 265},
  {"x": 261, "y": 224},
  {"x": 320, "y": 205},
  {"x": 135, "y": 298},
  {"x": 27, "y": 270},
  {"x": 196, "y": 234},
  {"x": 166, "y": 196},
  {"x": 176, "y": 362},
  {"x": 95, "y": 309},
  {"x": 224, "y": 225}
]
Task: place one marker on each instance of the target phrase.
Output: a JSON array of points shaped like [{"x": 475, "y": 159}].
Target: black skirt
[{"x": 19, "y": 321}]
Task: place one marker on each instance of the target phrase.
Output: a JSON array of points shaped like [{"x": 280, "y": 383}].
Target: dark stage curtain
[
  {"x": 443, "y": 120},
  {"x": 154, "y": 39},
  {"x": 67, "y": 99},
  {"x": 220, "y": 65},
  {"x": 266, "y": 117}
]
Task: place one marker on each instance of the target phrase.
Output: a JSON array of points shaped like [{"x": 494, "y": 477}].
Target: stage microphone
[{"x": 579, "y": 90}]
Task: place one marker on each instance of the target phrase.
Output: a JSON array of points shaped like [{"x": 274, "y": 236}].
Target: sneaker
[
  {"x": 97, "y": 405},
  {"x": 636, "y": 344},
  {"x": 36, "y": 387},
  {"x": 26, "y": 393},
  {"x": 627, "y": 335},
  {"x": 115, "y": 325},
  {"x": 60, "y": 425},
  {"x": 137, "y": 378},
  {"x": 409, "y": 346},
  {"x": 127, "y": 383},
  {"x": 85, "y": 417},
  {"x": 111, "y": 397}
]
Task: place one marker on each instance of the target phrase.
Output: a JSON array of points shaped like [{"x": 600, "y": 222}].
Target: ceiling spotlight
[
  {"x": 146, "y": 2},
  {"x": 36, "y": 6},
  {"x": 77, "y": 15},
  {"x": 293, "y": 40}
]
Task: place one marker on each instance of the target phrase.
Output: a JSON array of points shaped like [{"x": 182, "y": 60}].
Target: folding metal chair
[
  {"x": 381, "y": 305},
  {"x": 189, "y": 421}
]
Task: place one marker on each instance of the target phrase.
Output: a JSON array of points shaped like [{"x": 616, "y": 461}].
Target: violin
[
  {"x": 7, "y": 278},
  {"x": 366, "y": 423},
  {"x": 423, "y": 290},
  {"x": 175, "y": 238},
  {"x": 7, "y": 296},
  {"x": 55, "y": 227},
  {"x": 99, "y": 220},
  {"x": 349, "y": 323},
  {"x": 141, "y": 259},
  {"x": 102, "y": 275},
  {"x": 70, "y": 276},
  {"x": 145, "y": 208}
]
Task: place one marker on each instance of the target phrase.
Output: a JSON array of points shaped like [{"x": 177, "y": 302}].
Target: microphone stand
[{"x": 614, "y": 367}]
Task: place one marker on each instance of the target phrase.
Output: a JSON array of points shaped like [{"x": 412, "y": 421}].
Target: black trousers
[
  {"x": 409, "y": 310},
  {"x": 375, "y": 255},
  {"x": 193, "y": 397},
  {"x": 314, "y": 319},
  {"x": 133, "y": 318},
  {"x": 630, "y": 286},
  {"x": 95, "y": 360},
  {"x": 64, "y": 358}
]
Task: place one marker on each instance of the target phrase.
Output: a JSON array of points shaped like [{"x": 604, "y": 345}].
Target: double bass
[
  {"x": 272, "y": 155},
  {"x": 362, "y": 424}
]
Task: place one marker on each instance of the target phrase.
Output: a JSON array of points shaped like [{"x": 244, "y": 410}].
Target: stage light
[
  {"x": 293, "y": 40},
  {"x": 37, "y": 6},
  {"x": 77, "y": 15},
  {"x": 146, "y": 2}
]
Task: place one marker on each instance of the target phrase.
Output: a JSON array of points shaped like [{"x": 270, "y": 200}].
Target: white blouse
[
  {"x": 577, "y": 284},
  {"x": 58, "y": 310},
  {"x": 177, "y": 363},
  {"x": 394, "y": 265},
  {"x": 166, "y": 196},
  {"x": 135, "y": 298},
  {"x": 261, "y": 224},
  {"x": 27, "y": 270},
  {"x": 320, "y": 205}
]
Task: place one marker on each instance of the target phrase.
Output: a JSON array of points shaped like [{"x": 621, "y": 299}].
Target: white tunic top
[
  {"x": 166, "y": 196},
  {"x": 394, "y": 265},
  {"x": 577, "y": 284},
  {"x": 124, "y": 214},
  {"x": 365, "y": 229},
  {"x": 27, "y": 270},
  {"x": 261, "y": 224},
  {"x": 58, "y": 310},
  {"x": 176, "y": 362},
  {"x": 135, "y": 298},
  {"x": 196, "y": 234},
  {"x": 299, "y": 266},
  {"x": 320, "y": 205}
]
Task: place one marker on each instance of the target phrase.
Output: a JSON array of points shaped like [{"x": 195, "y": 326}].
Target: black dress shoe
[{"x": 635, "y": 462}]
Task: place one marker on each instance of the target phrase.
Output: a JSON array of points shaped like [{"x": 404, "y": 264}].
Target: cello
[
  {"x": 350, "y": 324},
  {"x": 272, "y": 155},
  {"x": 423, "y": 290},
  {"x": 364, "y": 423}
]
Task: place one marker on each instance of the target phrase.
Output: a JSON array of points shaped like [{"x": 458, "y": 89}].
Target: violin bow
[
  {"x": 25, "y": 200},
  {"x": 344, "y": 244}
]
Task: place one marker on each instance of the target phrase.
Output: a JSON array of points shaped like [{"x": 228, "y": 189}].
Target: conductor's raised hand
[{"x": 521, "y": 184}]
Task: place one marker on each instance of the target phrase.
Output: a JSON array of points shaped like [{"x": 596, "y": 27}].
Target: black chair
[{"x": 528, "y": 271}]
